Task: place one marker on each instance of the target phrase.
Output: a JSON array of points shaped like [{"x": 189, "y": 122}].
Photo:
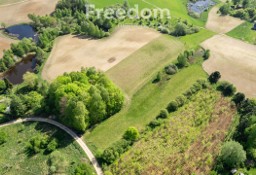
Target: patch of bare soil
[
  {"x": 17, "y": 13},
  {"x": 221, "y": 24},
  {"x": 235, "y": 60},
  {"x": 71, "y": 53}
]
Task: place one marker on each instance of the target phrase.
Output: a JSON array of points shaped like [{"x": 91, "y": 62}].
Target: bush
[
  {"x": 224, "y": 10},
  {"x": 172, "y": 106},
  {"x": 131, "y": 134},
  {"x": 171, "y": 69},
  {"x": 58, "y": 162},
  {"x": 238, "y": 98},
  {"x": 181, "y": 100},
  {"x": 232, "y": 154},
  {"x": 82, "y": 169},
  {"x": 3, "y": 137},
  {"x": 112, "y": 153},
  {"x": 206, "y": 54},
  {"x": 38, "y": 143},
  {"x": 52, "y": 146},
  {"x": 163, "y": 113},
  {"x": 155, "y": 123},
  {"x": 227, "y": 88},
  {"x": 214, "y": 77}
]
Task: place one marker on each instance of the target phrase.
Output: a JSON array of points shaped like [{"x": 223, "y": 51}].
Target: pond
[
  {"x": 15, "y": 74},
  {"x": 200, "y": 6}
]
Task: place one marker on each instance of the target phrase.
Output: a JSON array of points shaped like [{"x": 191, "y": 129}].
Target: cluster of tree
[
  {"x": 244, "y": 9},
  {"x": 118, "y": 148},
  {"x": 20, "y": 49},
  {"x": 29, "y": 99},
  {"x": 41, "y": 143},
  {"x": 183, "y": 59},
  {"x": 82, "y": 169},
  {"x": 82, "y": 99}
]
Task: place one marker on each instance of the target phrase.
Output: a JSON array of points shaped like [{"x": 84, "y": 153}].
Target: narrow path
[{"x": 67, "y": 130}]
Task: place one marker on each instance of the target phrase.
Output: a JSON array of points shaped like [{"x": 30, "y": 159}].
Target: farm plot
[
  {"x": 70, "y": 53},
  {"x": 235, "y": 60},
  {"x": 17, "y": 13},
  {"x": 186, "y": 143},
  {"x": 5, "y": 44},
  {"x": 221, "y": 24}
]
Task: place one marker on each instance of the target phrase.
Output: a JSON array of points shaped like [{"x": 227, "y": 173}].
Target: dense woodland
[{"x": 244, "y": 9}]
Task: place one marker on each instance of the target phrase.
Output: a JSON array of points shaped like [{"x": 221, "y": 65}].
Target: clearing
[
  {"x": 188, "y": 142},
  {"x": 235, "y": 60},
  {"x": 70, "y": 53},
  {"x": 15, "y": 157},
  {"x": 17, "y": 13},
  {"x": 221, "y": 24}
]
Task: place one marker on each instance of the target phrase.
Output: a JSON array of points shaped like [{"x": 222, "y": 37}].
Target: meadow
[{"x": 15, "y": 157}]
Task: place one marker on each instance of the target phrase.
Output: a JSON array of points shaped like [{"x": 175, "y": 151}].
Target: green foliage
[
  {"x": 131, "y": 134},
  {"x": 114, "y": 152},
  {"x": 171, "y": 69},
  {"x": 227, "y": 88},
  {"x": 238, "y": 98},
  {"x": 3, "y": 137},
  {"x": 3, "y": 86},
  {"x": 163, "y": 113},
  {"x": 82, "y": 169},
  {"x": 172, "y": 106},
  {"x": 84, "y": 98},
  {"x": 232, "y": 154},
  {"x": 214, "y": 77},
  {"x": 225, "y": 9},
  {"x": 182, "y": 60},
  {"x": 38, "y": 144},
  {"x": 206, "y": 54}
]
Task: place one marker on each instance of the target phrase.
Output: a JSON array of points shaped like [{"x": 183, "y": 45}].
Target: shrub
[
  {"x": 163, "y": 113},
  {"x": 3, "y": 137},
  {"x": 57, "y": 162},
  {"x": 131, "y": 134},
  {"x": 214, "y": 77},
  {"x": 112, "y": 153},
  {"x": 38, "y": 143},
  {"x": 172, "y": 106},
  {"x": 224, "y": 10},
  {"x": 82, "y": 169},
  {"x": 238, "y": 98},
  {"x": 157, "y": 78},
  {"x": 232, "y": 154},
  {"x": 206, "y": 54},
  {"x": 171, "y": 69},
  {"x": 52, "y": 145},
  {"x": 155, "y": 123},
  {"x": 181, "y": 100},
  {"x": 227, "y": 88}
]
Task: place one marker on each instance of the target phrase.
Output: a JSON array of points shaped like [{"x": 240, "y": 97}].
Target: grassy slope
[
  {"x": 177, "y": 7},
  {"x": 139, "y": 67},
  {"x": 145, "y": 105},
  {"x": 244, "y": 32},
  {"x": 13, "y": 152}
]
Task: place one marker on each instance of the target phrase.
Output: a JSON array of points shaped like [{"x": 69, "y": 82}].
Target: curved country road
[{"x": 69, "y": 131}]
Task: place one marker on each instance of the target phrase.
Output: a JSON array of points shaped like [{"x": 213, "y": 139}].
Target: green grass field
[
  {"x": 15, "y": 160},
  {"x": 177, "y": 7},
  {"x": 244, "y": 32},
  {"x": 137, "y": 69},
  {"x": 143, "y": 107}
]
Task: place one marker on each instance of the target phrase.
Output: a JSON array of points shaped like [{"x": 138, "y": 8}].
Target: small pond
[
  {"x": 15, "y": 74},
  {"x": 200, "y": 6}
]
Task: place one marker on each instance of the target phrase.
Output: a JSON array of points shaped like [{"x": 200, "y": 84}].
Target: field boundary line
[
  {"x": 78, "y": 139},
  {"x": 6, "y": 5}
]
